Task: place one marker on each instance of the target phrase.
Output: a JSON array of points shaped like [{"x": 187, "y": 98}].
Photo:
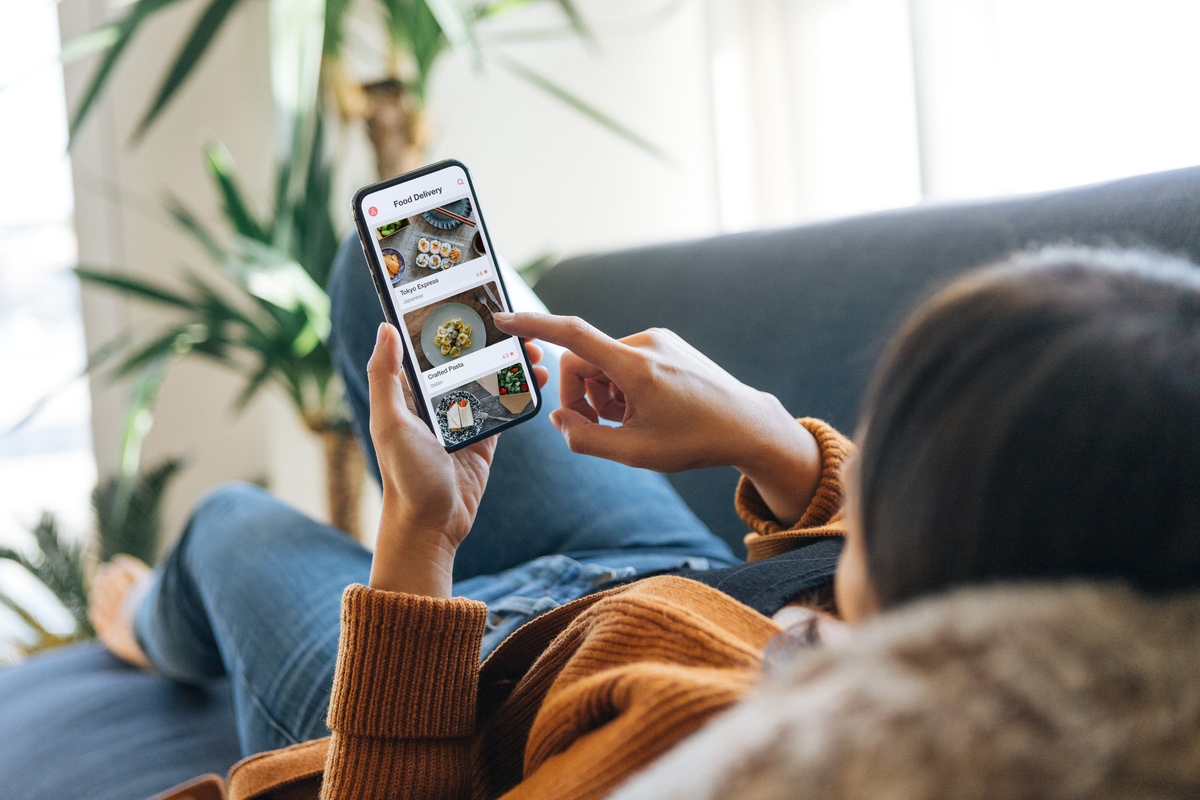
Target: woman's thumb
[{"x": 384, "y": 375}]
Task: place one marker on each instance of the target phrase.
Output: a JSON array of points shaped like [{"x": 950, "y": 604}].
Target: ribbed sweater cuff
[
  {"x": 408, "y": 666},
  {"x": 835, "y": 450}
]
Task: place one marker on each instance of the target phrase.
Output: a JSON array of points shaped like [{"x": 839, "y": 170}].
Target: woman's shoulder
[
  {"x": 657, "y": 615},
  {"x": 671, "y": 608},
  {"x": 607, "y": 661},
  {"x": 1029, "y": 683}
]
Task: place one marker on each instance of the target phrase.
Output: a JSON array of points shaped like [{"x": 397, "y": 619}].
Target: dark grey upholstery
[
  {"x": 75, "y": 724},
  {"x": 836, "y": 291}
]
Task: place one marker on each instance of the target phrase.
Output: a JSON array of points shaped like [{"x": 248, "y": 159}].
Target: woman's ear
[{"x": 852, "y": 584}]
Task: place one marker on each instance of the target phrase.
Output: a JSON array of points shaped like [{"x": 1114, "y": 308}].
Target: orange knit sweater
[{"x": 569, "y": 706}]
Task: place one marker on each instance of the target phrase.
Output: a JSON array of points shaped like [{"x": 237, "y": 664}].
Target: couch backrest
[{"x": 803, "y": 312}]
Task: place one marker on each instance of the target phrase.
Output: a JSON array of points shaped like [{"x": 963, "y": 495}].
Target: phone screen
[{"x": 437, "y": 278}]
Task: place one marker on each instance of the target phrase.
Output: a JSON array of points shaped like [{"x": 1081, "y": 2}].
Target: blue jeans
[{"x": 253, "y": 588}]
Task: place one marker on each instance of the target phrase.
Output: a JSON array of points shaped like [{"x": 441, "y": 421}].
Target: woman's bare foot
[{"x": 117, "y": 589}]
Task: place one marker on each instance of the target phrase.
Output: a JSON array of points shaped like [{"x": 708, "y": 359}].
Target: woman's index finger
[{"x": 573, "y": 333}]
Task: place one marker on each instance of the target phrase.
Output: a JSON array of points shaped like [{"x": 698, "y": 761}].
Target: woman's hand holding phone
[
  {"x": 678, "y": 410},
  {"x": 430, "y": 497}
]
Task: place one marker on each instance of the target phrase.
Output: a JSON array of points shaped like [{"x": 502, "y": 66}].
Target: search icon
[{"x": 460, "y": 182}]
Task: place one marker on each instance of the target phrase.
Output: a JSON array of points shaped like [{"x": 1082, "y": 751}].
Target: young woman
[
  {"x": 1029, "y": 423},
  {"x": 1036, "y": 427}
]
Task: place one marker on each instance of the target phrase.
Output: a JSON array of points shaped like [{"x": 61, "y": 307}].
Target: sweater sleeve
[
  {"x": 404, "y": 696},
  {"x": 824, "y": 516}
]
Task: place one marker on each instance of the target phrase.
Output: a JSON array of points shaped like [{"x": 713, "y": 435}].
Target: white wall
[
  {"x": 814, "y": 109},
  {"x": 1034, "y": 95}
]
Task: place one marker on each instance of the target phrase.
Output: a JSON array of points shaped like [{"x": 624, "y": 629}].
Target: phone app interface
[{"x": 445, "y": 289}]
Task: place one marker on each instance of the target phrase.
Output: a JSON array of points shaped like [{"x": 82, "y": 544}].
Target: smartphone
[{"x": 434, "y": 267}]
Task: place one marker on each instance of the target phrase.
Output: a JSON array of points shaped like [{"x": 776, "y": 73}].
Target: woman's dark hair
[{"x": 1039, "y": 419}]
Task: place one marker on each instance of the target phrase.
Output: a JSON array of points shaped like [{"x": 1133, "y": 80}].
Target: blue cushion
[{"x": 76, "y": 722}]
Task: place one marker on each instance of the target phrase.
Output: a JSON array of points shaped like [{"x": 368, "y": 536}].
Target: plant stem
[
  {"x": 344, "y": 469},
  {"x": 396, "y": 125}
]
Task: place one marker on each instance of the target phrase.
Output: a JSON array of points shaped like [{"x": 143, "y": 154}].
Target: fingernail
[
  {"x": 379, "y": 333},
  {"x": 556, "y": 422},
  {"x": 503, "y": 316}
]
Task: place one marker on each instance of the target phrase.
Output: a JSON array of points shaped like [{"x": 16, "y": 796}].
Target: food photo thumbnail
[
  {"x": 455, "y": 326},
  {"x": 425, "y": 244},
  {"x": 480, "y": 405}
]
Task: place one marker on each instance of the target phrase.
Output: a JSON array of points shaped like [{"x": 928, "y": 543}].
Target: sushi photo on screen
[{"x": 431, "y": 242}]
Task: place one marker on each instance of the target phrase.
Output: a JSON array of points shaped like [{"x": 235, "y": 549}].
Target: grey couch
[
  {"x": 76, "y": 724},
  {"x": 839, "y": 289}
]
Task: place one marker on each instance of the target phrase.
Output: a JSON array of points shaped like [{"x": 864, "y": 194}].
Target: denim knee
[
  {"x": 219, "y": 518},
  {"x": 223, "y": 497}
]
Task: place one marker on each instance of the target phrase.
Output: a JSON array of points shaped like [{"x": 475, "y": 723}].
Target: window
[
  {"x": 825, "y": 108},
  {"x": 46, "y": 464}
]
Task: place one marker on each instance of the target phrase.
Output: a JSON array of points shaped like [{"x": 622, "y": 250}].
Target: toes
[
  {"x": 130, "y": 562},
  {"x": 131, "y": 567},
  {"x": 111, "y": 607}
]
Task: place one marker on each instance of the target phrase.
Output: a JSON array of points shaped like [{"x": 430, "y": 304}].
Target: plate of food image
[
  {"x": 460, "y": 416},
  {"x": 385, "y": 231},
  {"x": 394, "y": 263},
  {"x": 464, "y": 320},
  {"x": 443, "y": 222}
]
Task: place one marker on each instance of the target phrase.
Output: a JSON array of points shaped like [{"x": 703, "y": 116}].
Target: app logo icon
[
  {"x": 372, "y": 211},
  {"x": 460, "y": 182}
]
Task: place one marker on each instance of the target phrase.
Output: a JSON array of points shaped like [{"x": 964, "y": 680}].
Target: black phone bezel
[{"x": 389, "y": 310}]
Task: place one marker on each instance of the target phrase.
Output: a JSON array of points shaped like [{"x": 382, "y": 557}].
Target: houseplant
[
  {"x": 269, "y": 320},
  {"x": 275, "y": 330},
  {"x": 127, "y": 520}
]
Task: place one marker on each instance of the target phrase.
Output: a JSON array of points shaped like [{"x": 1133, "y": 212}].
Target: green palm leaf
[
  {"x": 315, "y": 240},
  {"x": 139, "y": 417},
  {"x": 237, "y": 211},
  {"x": 61, "y": 566},
  {"x": 335, "y": 15},
  {"x": 136, "y": 529},
  {"x": 133, "y": 285},
  {"x": 303, "y": 30},
  {"x": 126, "y": 28},
  {"x": 85, "y": 44},
  {"x": 256, "y": 382},
  {"x": 455, "y": 23},
  {"x": 576, "y": 19},
  {"x": 44, "y": 639},
  {"x": 197, "y": 230},
  {"x": 274, "y": 278},
  {"x": 414, "y": 29},
  {"x": 217, "y": 311},
  {"x": 297, "y": 35},
  {"x": 173, "y": 343},
  {"x": 186, "y": 60},
  {"x": 502, "y": 6}
]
